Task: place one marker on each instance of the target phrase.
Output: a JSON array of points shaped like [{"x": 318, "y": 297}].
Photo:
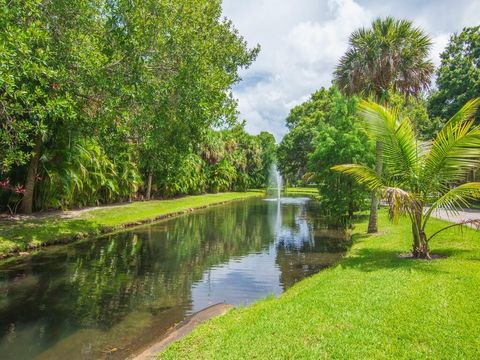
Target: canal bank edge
[
  {"x": 182, "y": 329},
  {"x": 100, "y": 230}
]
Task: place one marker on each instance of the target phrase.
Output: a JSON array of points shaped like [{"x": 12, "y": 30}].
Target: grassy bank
[
  {"x": 21, "y": 235},
  {"x": 372, "y": 305},
  {"x": 301, "y": 191}
]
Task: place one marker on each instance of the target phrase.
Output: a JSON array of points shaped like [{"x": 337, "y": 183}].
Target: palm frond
[
  {"x": 391, "y": 54},
  {"x": 362, "y": 174},
  {"x": 400, "y": 147},
  {"x": 400, "y": 202},
  {"x": 456, "y": 148},
  {"x": 456, "y": 198}
]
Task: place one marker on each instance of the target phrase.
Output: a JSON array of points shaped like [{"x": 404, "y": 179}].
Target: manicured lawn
[
  {"x": 372, "y": 305},
  {"x": 21, "y": 235},
  {"x": 301, "y": 190}
]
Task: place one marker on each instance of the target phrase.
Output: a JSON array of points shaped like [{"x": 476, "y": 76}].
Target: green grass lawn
[
  {"x": 372, "y": 305},
  {"x": 22, "y": 235},
  {"x": 300, "y": 190}
]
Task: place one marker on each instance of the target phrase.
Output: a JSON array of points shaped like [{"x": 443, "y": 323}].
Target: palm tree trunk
[
  {"x": 420, "y": 244},
  {"x": 149, "y": 185},
  {"x": 27, "y": 201},
  {"x": 373, "y": 220}
]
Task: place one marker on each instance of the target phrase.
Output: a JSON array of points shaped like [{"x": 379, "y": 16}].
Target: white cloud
[
  {"x": 440, "y": 41},
  {"x": 302, "y": 41}
]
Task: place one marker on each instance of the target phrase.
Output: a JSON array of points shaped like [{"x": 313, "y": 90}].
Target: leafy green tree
[
  {"x": 421, "y": 174},
  {"x": 31, "y": 95},
  {"x": 340, "y": 139},
  {"x": 296, "y": 146},
  {"x": 458, "y": 77},
  {"x": 391, "y": 55},
  {"x": 191, "y": 74}
]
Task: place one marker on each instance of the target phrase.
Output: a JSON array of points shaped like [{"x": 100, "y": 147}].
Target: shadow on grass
[
  {"x": 374, "y": 259},
  {"x": 360, "y": 219}
]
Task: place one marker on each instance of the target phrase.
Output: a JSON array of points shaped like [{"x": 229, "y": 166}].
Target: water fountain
[{"x": 275, "y": 181}]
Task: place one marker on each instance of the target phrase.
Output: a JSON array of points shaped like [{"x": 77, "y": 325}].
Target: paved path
[{"x": 465, "y": 214}]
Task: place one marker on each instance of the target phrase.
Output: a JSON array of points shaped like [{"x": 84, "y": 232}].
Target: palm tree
[
  {"x": 391, "y": 55},
  {"x": 419, "y": 177}
]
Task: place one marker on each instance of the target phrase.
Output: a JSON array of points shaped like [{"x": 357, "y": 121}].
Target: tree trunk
[
  {"x": 373, "y": 220},
  {"x": 149, "y": 186},
  {"x": 351, "y": 208},
  {"x": 420, "y": 244},
  {"x": 27, "y": 201}
]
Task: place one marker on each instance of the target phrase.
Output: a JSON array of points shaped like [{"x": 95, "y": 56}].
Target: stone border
[{"x": 181, "y": 330}]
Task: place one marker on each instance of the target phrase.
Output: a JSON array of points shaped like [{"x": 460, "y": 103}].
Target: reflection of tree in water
[
  {"x": 313, "y": 247},
  {"x": 95, "y": 284}
]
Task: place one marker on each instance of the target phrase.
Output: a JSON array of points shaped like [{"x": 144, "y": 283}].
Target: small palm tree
[
  {"x": 391, "y": 55},
  {"x": 419, "y": 177}
]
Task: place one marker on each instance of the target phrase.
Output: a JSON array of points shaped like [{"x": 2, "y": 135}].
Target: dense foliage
[
  {"x": 458, "y": 77},
  {"x": 295, "y": 148},
  {"x": 226, "y": 160},
  {"x": 339, "y": 136},
  {"x": 101, "y": 100},
  {"x": 458, "y": 80},
  {"x": 324, "y": 130}
]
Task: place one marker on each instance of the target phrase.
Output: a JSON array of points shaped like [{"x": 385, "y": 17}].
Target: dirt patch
[{"x": 182, "y": 329}]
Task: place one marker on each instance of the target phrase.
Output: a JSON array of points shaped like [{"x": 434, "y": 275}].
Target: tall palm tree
[
  {"x": 391, "y": 55},
  {"x": 420, "y": 176}
]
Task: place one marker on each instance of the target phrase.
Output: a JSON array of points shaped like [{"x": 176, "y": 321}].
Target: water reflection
[{"x": 109, "y": 297}]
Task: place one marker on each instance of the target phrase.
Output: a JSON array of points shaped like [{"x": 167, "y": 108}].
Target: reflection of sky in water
[
  {"x": 239, "y": 281},
  {"x": 242, "y": 280}
]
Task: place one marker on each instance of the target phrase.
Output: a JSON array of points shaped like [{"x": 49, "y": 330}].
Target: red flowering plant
[{"x": 18, "y": 191}]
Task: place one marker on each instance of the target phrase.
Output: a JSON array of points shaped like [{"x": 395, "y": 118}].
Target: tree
[
  {"x": 45, "y": 77},
  {"x": 339, "y": 139},
  {"x": 296, "y": 146},
  {"x": 458, "y": 77},
  {"x": 421, "y": 174},
  {"x": 268, "y": 147},
  {"x": 391, "y": 55},
  {"x": 189, "y": 73}
]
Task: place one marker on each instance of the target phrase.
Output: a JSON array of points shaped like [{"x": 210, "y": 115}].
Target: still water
[{"x": 110, "y": 297}]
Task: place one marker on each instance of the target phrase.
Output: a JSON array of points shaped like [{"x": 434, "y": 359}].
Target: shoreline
[
  {"x": 180, "y": 330},
  {"x": 95, "y": 229}
]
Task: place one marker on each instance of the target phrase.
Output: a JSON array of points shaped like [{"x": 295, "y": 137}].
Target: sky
[{"x": 302, "y": 40}]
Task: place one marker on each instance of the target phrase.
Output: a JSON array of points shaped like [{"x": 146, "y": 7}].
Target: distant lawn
[
  {"x": 22, "y": 235},
  {"x": 372, "y": 305},
  {"x": 301, "y": 190}
]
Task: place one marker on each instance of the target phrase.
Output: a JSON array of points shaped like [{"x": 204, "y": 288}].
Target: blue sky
[{"x": 302, "y": 41}]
